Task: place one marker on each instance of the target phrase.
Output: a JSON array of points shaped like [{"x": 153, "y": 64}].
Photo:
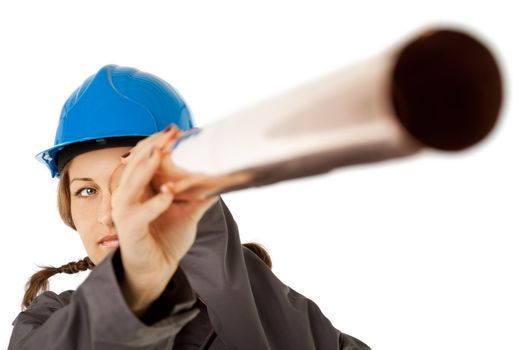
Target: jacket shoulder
[{"x": 43, "y": 306}]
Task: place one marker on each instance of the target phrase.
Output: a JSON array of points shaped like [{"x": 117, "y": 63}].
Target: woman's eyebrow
[{"x": 81, "y": 179}]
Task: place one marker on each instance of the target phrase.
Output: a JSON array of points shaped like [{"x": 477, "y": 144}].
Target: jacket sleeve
[
  {"x": 248, "y": 306},
  {"x": 96, "y": 315}
]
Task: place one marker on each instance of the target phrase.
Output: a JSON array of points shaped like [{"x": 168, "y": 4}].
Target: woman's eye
[{"x": 85, "y": 192}]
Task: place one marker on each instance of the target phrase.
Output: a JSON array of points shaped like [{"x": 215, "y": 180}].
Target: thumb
[{"x": 156, "y": 205}]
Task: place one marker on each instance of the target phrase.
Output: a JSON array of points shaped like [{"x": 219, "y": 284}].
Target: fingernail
[
  {"x": 168, "y": 128},
  {"x": 175, "y": 136},
  {"x": 152, "y": 152},
  {"x": 125, "y": 155}
]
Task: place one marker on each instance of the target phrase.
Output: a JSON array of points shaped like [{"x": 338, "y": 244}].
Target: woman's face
[{"x": 90, "y": 184}]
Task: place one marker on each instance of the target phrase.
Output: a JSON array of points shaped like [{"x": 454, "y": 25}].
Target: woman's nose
[{"x": 104, "y": 217}]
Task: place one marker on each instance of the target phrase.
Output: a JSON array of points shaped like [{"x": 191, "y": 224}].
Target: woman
[{"x": 169, "y": 271}]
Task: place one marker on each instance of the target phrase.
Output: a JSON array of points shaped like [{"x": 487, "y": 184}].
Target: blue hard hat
[{"x": 115, "y": 103}]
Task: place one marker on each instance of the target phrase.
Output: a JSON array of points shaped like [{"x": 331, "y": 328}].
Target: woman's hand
[{"x": 154, "y": 232}]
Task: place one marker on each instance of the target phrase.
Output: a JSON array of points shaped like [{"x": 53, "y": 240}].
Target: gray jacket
[{"x": 248, "y": 307}]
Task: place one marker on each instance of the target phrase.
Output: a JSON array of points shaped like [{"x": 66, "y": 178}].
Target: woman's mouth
[{"x": 109, "y": 241}]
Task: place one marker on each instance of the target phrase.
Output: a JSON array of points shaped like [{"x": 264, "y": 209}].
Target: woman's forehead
[{"x": 97, "y": 164}]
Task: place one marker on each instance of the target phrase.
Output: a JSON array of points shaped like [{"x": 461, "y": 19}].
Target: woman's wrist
[{"x": 139, "y": 292}]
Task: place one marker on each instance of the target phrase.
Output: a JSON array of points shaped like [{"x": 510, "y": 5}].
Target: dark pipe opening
[{"x": 447, "y": 90}]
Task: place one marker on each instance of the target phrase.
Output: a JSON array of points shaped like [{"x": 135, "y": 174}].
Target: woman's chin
[{"x": 102, "y": 251}]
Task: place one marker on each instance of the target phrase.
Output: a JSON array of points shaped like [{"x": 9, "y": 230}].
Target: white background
[{"x": 419, "y": 253}]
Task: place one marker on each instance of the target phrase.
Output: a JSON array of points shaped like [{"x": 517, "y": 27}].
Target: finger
[
  {"x": 180, "y": 134},
  {"x": 160, "y": 139},
  {"x": 123, "y": 157},
  {"x": 137, "y": 175},
  {"x": 156, "y": 205},
  {"x": 205, "y": 186},
  {"x": 196, "y": 187},
  {"x": 187, "y": 182},
  {"x": 176, "y": 136},
  {"x": 167, "y": 165},
  {"x": 168, "y": 172},
  {"x": 195, "y": 193},
  {"x": 143, "y": 161},
  {"x": 168, "y": 169}
]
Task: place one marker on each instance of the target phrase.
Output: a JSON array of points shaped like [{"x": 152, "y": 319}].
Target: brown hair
[{"x": 38, "y": 283}]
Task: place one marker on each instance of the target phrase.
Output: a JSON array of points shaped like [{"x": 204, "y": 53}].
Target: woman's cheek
[
  {"x": 80, "y": 212},
  {"x": 84, "y": 217}
]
